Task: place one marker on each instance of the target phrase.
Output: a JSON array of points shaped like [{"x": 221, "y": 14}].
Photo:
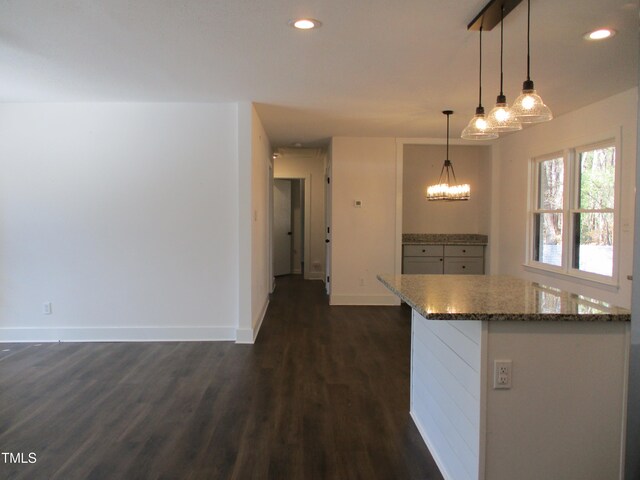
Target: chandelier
[{"x": 444, "y": 189}]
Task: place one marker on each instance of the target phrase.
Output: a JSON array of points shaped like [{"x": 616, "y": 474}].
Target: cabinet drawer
[
  {"x": 463, "y": 250},
  {"x": 461, "y": 266},
  {"x": 422, "y": 265},
  {"x": 423, "y": 250}
]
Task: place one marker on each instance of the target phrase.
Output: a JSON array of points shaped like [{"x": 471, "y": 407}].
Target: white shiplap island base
[{"x": 563, "y": 417}]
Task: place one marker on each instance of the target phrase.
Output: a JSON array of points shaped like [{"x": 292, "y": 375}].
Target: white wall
[
  {"x": 309, "y": 163},
  {"x": 632, "y": 468},
  {"x": 512, "y": 154},
  {"x": 244, "y": 189},
  {"x": 421, "y": 167},
  {"x": 124, "y": 216},
  {"x": 260, "y": 257},
  {"x": 363, "y": 239}
]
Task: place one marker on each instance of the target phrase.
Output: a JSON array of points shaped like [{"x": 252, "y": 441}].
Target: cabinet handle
[
  {"x": 440, "y": 259},
  {"x": 423, "y": 251},
  {"x": 463, "y": 266},
  {"x": 464, "y": 251}
]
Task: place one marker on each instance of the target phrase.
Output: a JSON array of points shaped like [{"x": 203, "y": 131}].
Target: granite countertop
[
  {"x": 497, "y": 298},
  {"x": 444, "y": 238}
]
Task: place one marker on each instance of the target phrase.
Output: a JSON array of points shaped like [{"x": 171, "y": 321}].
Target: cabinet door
[
  {"x": 422, "y": 265},
  {"x": 464, "y": 266}
]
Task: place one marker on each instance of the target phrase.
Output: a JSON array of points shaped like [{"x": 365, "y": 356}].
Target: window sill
[{"x": 609, "y": 286}]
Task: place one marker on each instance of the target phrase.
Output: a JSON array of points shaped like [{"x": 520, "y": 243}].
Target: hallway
[{"x": 324, "y": 393}]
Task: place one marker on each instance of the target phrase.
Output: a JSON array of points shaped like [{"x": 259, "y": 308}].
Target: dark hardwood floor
[{"x": 324, "y": 393}]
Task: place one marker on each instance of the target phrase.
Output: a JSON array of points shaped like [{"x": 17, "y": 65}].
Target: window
[
  {"x": 593, "y": 217},
  {"x": 573, "y": 214},
  {"x": 549, "y": 212}
]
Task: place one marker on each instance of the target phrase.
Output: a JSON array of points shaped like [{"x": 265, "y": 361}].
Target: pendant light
[
  {"x": 529, "y": 107},
  {"x": 444, "y": 190},
  {"x": 501, "y": 118},
  {"x": 478, "y": 129}
]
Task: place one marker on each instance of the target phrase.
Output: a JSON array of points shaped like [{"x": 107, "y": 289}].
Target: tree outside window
[
  {"x": 593, "y": 220},
  {"x": 549, "y": 215}
]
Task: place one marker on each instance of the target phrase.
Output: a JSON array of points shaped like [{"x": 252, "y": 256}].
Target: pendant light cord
[
  {"x": 480, "y": 74},
  {"x": 501, "y": 46},
  {"x": 448, "y": 166},
  {"x": 528, "y": 39},
  {"x": 447, "y": 137}
]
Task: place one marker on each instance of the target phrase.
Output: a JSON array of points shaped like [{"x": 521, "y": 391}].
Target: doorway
[{"x": 289, "y": 239}]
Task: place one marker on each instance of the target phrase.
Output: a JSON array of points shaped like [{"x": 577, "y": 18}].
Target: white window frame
[
  {"x": 571, "y": 188},
  {"x": 535, "y": 192}
]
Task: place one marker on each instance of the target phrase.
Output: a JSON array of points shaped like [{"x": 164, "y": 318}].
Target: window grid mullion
[
  {"x": 567, "y": 249},
  {"x": 593, "y": 210}
]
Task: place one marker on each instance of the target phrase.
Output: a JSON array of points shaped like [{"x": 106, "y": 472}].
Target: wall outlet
[
  {"x": 502, "y": 374},
  {"x": 46, "y": 308}
]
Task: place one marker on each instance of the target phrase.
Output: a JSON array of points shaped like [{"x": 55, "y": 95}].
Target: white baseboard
[
  {"x": 118, "y": 334},
  {"x": 316, "y": 276},
  {"x": 244, "y": 335},
  {"x": 258, "y": 323},
  {"x": 249, "y": 335},
  {"x": 363, "y": 300}
]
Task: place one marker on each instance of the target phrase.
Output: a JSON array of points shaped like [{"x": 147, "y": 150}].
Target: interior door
[{"x": 281, "y": 227}]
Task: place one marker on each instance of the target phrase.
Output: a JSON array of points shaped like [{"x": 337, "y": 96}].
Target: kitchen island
[{"x": 511, "y": 379}]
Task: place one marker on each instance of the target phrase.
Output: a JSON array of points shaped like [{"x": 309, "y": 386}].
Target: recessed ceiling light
[
  {"x": 600, "y": 34},
  {"x": 305, "y": 23}
]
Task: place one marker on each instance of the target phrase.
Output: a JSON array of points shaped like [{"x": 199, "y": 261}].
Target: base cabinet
[{"x": 447, "y": 259}]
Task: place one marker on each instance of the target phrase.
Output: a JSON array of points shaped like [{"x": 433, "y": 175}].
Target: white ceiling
[{"x": 375, "y": 67}]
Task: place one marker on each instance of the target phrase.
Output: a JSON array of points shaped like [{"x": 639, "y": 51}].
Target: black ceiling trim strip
[{"x": 489, "y": 16}]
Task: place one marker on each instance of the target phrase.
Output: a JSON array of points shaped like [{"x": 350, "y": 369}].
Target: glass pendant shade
[
  {"x": 501, "y": 118},
  {"x": 529, "y": 107},
  {"x": 478, "y": 128}
]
